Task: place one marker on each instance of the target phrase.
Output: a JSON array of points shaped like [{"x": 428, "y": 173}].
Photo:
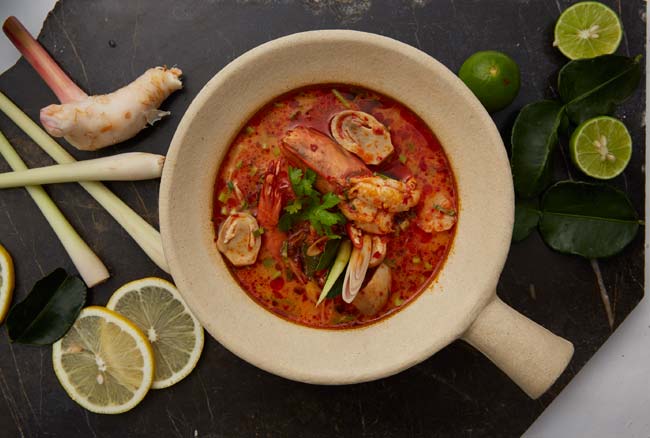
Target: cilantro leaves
[{"x": 310, "y": 205}]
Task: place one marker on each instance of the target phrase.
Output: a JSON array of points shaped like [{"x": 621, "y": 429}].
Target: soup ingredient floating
[
  {"x": 94, "y": 122},
  {"x": 588, "y": 30},
  {"x": 601, "y": 147},
  {"x": 156, "y": 307},
  {"x": 104, "y": 363},
  {"x": 7, "y": 281},
  {"x": 334, "y": 206},
  {"x": 370, "y": 201},
  {"x": 132, "y": 166},
  {"x": 146, "y": 236},
  {"x": 361, "y": 134},
  {"x": 493, "y": 77},
  {"x": 89, "y": 266},
  {"x": 48, "y": 312}
]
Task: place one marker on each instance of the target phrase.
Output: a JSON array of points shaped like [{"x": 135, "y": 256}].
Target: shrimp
[
  {"x": 94, "y": 122},
  {"x": 436, "y": 212},
  {"x": 370, "y": 201},
  {"x": 275, "y": 188},
  {"x": 268, "y": 211}
]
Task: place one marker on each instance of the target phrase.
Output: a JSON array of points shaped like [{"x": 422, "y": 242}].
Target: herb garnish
[
  {"x": 310, "y": 205},
  {"x": 341, "y": 99},
  {"x": 49, "y": 310},
  {"x": 444, "y": 210}
]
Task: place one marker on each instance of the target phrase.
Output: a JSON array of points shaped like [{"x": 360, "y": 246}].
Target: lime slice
[
  {"x": 158, "y": 309},
  {"x": 104, "y": 362},
  {"x": 6, "y": 282},
  {"x": 601, "y": 147},
  {"x": 587, "y": 30},
  {"x": 493, "y": 77}
]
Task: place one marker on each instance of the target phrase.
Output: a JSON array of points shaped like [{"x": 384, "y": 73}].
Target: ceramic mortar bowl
[{"x": 460, "y": 304}]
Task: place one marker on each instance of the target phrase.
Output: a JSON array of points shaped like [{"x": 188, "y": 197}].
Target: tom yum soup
[{"x": 334, "y": 206}]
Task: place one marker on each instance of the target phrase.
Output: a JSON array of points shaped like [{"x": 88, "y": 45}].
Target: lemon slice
[
  {"x": 6, "y": 282},
  {"x": 157, "y": 308},
  {"x": 104, "y": 362}
]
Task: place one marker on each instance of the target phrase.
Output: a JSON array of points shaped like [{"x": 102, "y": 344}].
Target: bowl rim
[{"x": 453, "y": 329}]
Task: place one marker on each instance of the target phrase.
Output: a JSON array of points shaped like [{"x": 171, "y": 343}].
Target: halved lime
[
  {"x": 493, "y": 77},
  {"x": 587, "y": 30},
  {"x": 601, "y": 147}
]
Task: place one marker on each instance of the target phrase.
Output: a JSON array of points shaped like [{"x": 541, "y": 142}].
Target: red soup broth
[{"x": 414, "y": 256}]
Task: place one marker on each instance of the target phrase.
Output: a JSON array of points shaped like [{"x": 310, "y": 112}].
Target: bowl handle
[{"x": 530, "y": 355}]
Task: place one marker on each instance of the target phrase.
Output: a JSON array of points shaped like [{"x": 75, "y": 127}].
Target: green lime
[
  {"x": 587, "y": 30},
  {"x": 601, "y": 147},
  {"x": 493, "y": 77}
]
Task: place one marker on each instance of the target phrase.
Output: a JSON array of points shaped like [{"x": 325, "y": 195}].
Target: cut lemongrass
[
  {"x": 56, "y": 79},
  {"x": 340, "y": 262},
  {"x": 133, "y": 166},
  {"x": 146, "y": 236},
  {"x": 90, "y": 267}
]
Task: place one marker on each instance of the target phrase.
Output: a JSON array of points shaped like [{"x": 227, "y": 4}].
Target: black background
[{"x": 457, "y": 392}]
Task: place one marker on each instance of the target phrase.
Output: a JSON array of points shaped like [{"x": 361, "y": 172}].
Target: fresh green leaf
[
  {"x": 286, "y": 221},
  {"x": 330, "y": 200},
  {"x": 321, "y": 261},
  {"x": 590, "y": 220},
  {"x": 295, "y": 175},
  {"x": 594, "y": 87},
  {"x": 527, "y": 216},
  {"x": 294, "y": 207},
  {"x": 327, "y": 257},
  {"x": 534, "y": 136},
  {"x": 309, "y": 205},
  {"x": 49, "y": 310},
  {"x": 258, "y": 232},
  {"x": 302, "y": 184}
]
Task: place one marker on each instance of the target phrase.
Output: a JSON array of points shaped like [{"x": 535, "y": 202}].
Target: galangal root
[{"x": 94, "y": 122}]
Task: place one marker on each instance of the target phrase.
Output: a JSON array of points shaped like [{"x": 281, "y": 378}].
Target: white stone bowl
[{"x": 460, "y": 303}]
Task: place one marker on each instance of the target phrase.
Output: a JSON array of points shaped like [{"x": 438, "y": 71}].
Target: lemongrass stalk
[
  {"x": 146, "y": 236},
  {"x": 340, "y": 262},
  {"x": 90, "y": 267},
  {"x": 58, "y": 81},
  {"x": 133, "y": 166}
]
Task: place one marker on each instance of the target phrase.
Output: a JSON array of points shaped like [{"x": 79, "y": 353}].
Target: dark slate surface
[{"x": 457, "y": 392}]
